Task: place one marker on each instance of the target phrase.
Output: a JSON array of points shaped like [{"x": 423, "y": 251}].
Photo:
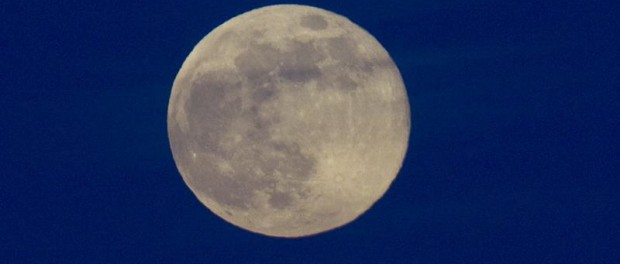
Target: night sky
[{"x": 514, "y": 153}]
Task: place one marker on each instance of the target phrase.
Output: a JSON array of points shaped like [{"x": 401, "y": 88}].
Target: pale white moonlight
[{"x": 288, "y": 121}]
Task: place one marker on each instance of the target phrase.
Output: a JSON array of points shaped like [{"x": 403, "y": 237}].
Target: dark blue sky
[{"x": 514, "y": 155}]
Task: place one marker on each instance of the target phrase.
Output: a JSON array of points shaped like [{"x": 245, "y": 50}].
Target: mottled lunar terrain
[{"x": 288, "y": 121}]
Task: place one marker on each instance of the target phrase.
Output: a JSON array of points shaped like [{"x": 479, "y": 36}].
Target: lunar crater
[{"x": 314, "y": 22}]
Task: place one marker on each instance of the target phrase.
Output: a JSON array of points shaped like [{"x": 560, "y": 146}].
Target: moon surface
[{"x": 288, "y": 121}]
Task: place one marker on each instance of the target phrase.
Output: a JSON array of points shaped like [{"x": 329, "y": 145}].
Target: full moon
[{"x": 288, "y": 121}]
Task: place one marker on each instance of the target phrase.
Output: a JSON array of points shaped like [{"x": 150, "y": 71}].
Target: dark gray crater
[{"x": 314, "y": 22}]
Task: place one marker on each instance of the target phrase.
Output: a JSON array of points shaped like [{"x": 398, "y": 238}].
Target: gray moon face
[{"x": 288, "y": 121}]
